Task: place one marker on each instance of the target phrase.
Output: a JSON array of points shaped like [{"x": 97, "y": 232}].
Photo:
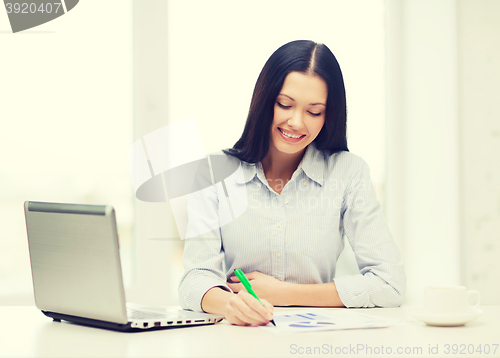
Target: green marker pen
[{"x": 248, "y": 286}]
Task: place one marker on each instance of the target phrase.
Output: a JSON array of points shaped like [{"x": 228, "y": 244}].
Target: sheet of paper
[{"x": 307, "y": 320}]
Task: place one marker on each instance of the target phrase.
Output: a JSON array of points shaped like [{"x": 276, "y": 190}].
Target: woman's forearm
[
  {"x": 216, "y": 299},
  {"x": 315, "y": 295},
  {"x": 281, "y": 293}
]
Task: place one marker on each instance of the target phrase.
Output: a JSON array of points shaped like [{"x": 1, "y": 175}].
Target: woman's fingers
[
  {"x": 246, "y": 309},
  {"x": 252, "y": 275},
  {"x": 269, "y": 306},
  {"x": 235, "y": 320},
  {"x": 256, "y": 306},
  {"x": 246, "y": 313},
  {"x": 236, "y": 287}
]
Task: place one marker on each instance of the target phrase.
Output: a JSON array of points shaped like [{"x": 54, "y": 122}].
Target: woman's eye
[
  {"x": 283, "y": 106},
  {"x": 315, "y": 114}
]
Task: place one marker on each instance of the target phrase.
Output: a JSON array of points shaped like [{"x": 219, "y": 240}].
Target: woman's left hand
[{"x": 264, "y": 286}]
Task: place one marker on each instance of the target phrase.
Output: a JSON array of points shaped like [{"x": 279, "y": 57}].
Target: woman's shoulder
[
  {"x": 224, "y": 153},
  {"x": 342, "y": 167},
  {"x": 345, "y": 161},
  {"x": 222, "y": 157},
  {"x": 223, "y": 165}
]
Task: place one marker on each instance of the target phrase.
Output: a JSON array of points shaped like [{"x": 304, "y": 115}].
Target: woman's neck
[{"x": 280, "y": 166}]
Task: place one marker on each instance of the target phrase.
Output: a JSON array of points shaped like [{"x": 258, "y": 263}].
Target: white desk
[{"x": 26, "y": 332}]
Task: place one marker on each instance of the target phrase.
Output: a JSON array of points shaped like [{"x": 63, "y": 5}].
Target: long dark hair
[{"x": 306, "y": 57}]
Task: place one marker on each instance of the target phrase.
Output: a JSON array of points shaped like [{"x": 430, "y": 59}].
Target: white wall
[
  {"x": 154, "y": 280},
  {"x": 443, "y": 137},
  {"x": 479, "y": 93},
  {"x": 423, "y": 140}
]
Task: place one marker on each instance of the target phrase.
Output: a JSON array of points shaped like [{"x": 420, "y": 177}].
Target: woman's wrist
[
  {"x": 284, "y": 294},
  {"x": 215, "y": 300}
]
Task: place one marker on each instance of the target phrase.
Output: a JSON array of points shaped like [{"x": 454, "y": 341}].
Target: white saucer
[{"x": 445, "y": 319}]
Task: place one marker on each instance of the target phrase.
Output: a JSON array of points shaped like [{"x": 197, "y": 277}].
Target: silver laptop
[{"x": 77, "y": 276}]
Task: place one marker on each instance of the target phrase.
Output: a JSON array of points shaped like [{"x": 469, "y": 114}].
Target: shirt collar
[
  {"x": 312, "y": 164},
  {"x": 249, "y": 171}
]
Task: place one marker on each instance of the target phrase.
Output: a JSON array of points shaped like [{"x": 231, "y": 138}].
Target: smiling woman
[{"x": 293, "y": 152}]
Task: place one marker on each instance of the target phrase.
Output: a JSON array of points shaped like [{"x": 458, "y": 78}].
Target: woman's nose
[{"x": 296, "y": 120}]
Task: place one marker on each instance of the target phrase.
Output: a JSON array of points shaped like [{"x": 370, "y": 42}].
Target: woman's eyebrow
[
  {"x": 282, "y": 94},
  {"x": 311, "y": 104}
]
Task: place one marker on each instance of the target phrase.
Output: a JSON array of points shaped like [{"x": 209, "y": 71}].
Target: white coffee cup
[{"x": 449, "y": 299}]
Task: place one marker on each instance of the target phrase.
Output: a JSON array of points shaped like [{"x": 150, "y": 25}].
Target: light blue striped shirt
[{"x": 296, "y": 236}]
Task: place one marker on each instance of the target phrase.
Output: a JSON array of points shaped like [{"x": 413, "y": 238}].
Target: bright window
[{"x": 66, "y": 125}]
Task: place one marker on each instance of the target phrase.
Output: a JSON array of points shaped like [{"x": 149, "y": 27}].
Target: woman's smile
[{"x": 289, "y": 136}]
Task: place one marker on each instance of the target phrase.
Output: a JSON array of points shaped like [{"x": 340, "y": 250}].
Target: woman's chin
[{"x": 290, "y": 149}]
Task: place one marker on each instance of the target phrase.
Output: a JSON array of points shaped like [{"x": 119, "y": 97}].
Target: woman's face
[{"x": 299, "y": 112}]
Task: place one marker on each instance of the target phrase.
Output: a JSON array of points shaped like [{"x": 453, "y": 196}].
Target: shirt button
[
  {"x": 259, "y": 185},
  {"x": 278, "y": 254},
  {"x": 286, "y": 201},
  {"x": 279, "y": 224},
  {"x": 304, "y": 182}
]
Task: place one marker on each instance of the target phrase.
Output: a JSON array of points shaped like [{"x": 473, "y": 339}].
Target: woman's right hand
[{"x": 243, "y": 309}]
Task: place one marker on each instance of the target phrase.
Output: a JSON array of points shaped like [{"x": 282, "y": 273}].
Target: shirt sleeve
[
  {"x": 381, "y": 281},
  {"x": 203, "y": 250}
]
